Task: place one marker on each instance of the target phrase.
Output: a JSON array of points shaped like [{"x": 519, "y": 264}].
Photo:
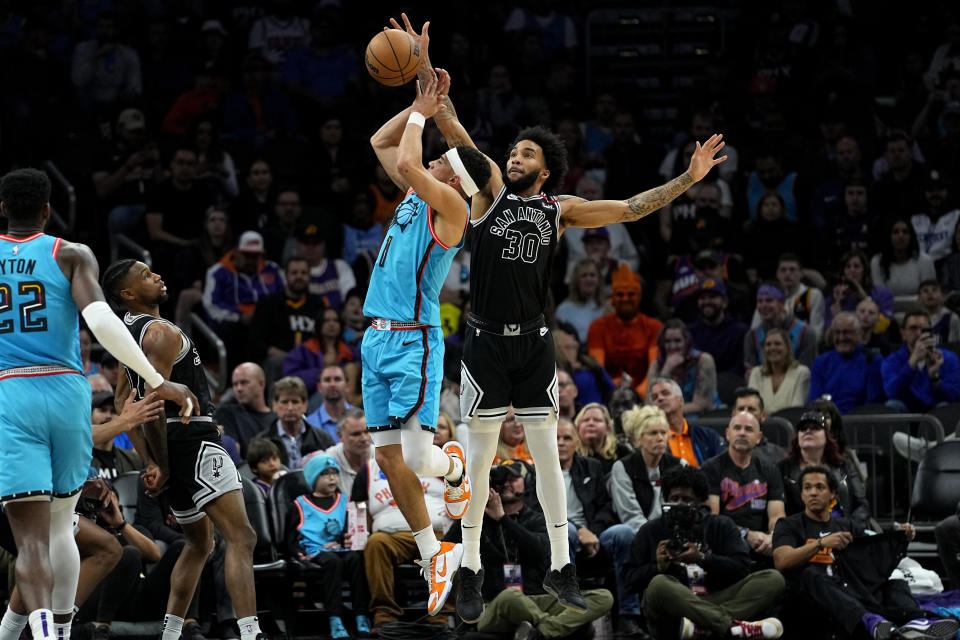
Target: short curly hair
[
  {"x": 554, "y": 154},
  {"x": 685, "y": 476},
  {"x": 24, "y": 193}
]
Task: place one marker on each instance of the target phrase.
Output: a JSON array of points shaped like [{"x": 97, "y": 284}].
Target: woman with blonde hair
[
  {"x": 584, "y": 302},
  {"x": 595, "y": 427},
  {"x": 635, "y": 480},
  {"x": 446, "y": 431},
  {"x": 781, "y": 380}
]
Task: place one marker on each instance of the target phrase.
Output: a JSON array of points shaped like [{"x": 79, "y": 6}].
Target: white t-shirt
[
  {"x": 384, "y": 511},
  {"x": 904, "y": 278},
  {"x": 935, "y": 238},
  {"x": 274, "y": 37}
]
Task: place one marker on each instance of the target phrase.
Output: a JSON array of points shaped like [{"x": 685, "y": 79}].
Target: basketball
[{"x": 392, "y": 57}]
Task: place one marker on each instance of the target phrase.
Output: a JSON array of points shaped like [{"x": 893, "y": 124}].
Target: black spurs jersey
[
  {"x": 187, "y": 370},
  {"x": 511, "y": 253}
]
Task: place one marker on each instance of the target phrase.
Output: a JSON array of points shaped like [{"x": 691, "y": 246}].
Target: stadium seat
[
  {"x": 127, "y": 486},
  {"x": 877, "y": 408},
  {"x": 778, "y": 430},
  {"x": 949, "y": 417},
  {"x": 936, "y": 488},
  {"x": 790, "y": 414},
  {"x": 727, "y": 383}
]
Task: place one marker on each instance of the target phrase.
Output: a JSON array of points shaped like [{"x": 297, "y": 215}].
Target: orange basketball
[{"x": 392, "y": 57}]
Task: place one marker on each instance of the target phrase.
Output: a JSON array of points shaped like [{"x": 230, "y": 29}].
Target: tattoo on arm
[
  {"x": 446, "y": 114},
  {"x": 649, "y": 201}
]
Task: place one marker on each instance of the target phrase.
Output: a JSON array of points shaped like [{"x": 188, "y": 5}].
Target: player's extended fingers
[
  {"x": 406, "y": 22},
  {"x": 423, "y": 32},
  {"x": 717, "y": 161},
  {"x": 395, "y": 24}
]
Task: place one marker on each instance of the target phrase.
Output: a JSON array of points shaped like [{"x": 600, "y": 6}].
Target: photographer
[
  {"x": 692, "y": 568},
  {"x": 514, "y": 565},
  {"x": 920, "y": 375}
]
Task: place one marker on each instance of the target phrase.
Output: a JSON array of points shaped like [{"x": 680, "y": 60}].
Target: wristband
[{"x": 417, "y": 119}]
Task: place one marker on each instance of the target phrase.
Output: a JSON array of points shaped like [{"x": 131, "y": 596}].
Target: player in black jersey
[
  {"x": 508, "y": 355},
  {"x": 187, "y": 460}
]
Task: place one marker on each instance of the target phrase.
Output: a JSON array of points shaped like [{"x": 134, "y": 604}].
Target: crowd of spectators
[{"x": 819, "y": 265}]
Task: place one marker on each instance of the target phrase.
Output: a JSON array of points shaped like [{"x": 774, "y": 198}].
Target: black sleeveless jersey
[
  {"x": 187, "y": 370},
  {"x": 511, "y": 253}
]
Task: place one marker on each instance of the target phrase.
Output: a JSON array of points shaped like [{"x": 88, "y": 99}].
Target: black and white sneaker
[
  {"x": 926, "y": 629},
  {"x": 564, "y": 587},
  {"x": 469, "y": 598}
]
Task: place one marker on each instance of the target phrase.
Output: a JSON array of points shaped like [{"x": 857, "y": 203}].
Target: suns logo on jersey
[{"x": 405, "y": 214}]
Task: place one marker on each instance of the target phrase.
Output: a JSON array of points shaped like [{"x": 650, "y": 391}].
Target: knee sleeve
[
  {"x": 419, "y": 452},
  {"x": 64, "y": 556},
  {"x": 481, "y": 450}
]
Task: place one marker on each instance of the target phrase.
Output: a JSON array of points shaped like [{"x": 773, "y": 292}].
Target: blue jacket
[
  {"x": 227, "y": 293},
  {"x": 706, "y": 442},
  {"x": 912, "y": 386},
  {"x": 852, "y": 381}
]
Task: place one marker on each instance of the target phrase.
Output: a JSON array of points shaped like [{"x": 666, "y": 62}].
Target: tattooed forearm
[
  {"x": 649, "y": 201},
  {"x": 446, "y": 114}
]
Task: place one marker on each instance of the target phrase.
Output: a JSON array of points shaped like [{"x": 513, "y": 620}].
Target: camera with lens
[
  {"x": 498, "y": 477},
  {"x": 686, "y": 521}
]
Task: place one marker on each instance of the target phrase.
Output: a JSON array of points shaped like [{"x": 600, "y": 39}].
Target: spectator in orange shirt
[
  {"x": 625, "y": 342},
  {"x": 513, "y": 442},
  {"x": 693, "y": 444}
]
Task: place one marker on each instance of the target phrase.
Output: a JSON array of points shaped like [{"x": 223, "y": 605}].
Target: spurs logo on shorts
[{"x": 210, "y": 475}]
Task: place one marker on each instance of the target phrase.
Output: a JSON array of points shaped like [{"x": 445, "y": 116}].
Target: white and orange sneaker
[
  {"x": 439, "y": 571},
  {"x": 456, "y": 498}
]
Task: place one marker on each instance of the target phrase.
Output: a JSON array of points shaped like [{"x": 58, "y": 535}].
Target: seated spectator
[
  {"x": 584, "y": 302},
  {"x": 512, "y": 445},
  {"x": 693, "y": 444},
  {"x": 362, "y": 236},
  {"x": 263, "y": 457},
  {"x": 215, "y": 166},
  {"x": 593, "y": 383},
  {"x": 715, "y": 331},
  {"x": 514, "y": 535},
  {"x": 595, "y": 429},
  {"x": 802, "y": 302},
  {"x": 568, "y": 403},
  {"x": 699, "y": 587},
  {"x": 773, "y": 313},
  {"x": 279, "y": 233},
  {"x": 946, "y": 323},
  {"x": 253, "y": 207},
  {"x": 353, "y": 448},
  {"x": 235, "y": 285},
  {"x": 747, "y": 490},
  {"x": 355, "y": 323},
  {"x": 950, "y": 269},
  {"x": 324, "y": 68},
  {"x": 622, "y": 400},
  {"x": 253, "y": 112},
  {"x": 900, "y": 265},
  {"x": 920, "y": 375},
  {"x": 216, "y": 240},
  {"x": 446, "y": 430},
  {"x": 317, "y": 534},
  {"x": 855, "y": 286},
  {"x": 106, "y": 72},
  {"x": 635, "y": 479},
  {"x": 284, "y": 319},
  {"x": 391, "y": 542},
  {"x": 331, "y": 388},
  {"x": 326, "y": 348},
  {"x": 879, "y": 333},
  {"x": 625, "y": 341},
  {"x": 596, "y": 247},
  {"x": 770, "y": 235},
  {"x": 815, "y": 446},
  {"x": 834, "y": 421},
  {"x": 853, "y": 228},
  {"x": 591, "y": 523},
  {"x": 849, "y": 374},
  {"x": 692, "y": 369},
  {"x": 330, "y": 278},
  {"x": 813, "y": 548},
  {"x": 782, "y": 381},
  {"x": 249, "y": 414},
  {"x": 110, "y": 460},
  {"x": 749, "y": 400},
  {"x": 948, "y": 546},
  {"x": 294, "y": 437},
  {"x": 768, "y": 175}
]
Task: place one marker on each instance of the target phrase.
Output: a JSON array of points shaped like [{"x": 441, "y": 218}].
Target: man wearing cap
[
  {"x": 625, "y": 341},
  {"x": 848, "y": 374},
  {"x": 511, "y": 549},
  {"x": 620, "y": 247},
  {"x": 715, "y": 331},
  {"x": 773, "y": 313},
  {"x": 124, "y": 171},
  {"x": 108, "y": 459},
  {"x": 806, "y": 304},
  {"x": 330, "y": 278},
  {"x": 935, "y": 223},
  {"x": 235, "y": 284}
]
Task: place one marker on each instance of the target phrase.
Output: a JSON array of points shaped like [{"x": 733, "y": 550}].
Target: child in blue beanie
[{"x": 317, "y": 534}]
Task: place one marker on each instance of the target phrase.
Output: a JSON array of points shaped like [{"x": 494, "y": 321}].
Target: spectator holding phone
[{"x": 920, "y": 375}]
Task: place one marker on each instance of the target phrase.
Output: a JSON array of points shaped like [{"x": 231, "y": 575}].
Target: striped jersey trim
[{"x": 35, "y": 371}]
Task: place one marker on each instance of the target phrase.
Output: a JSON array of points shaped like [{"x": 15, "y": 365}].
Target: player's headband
[{"x": 469, "y": 186}]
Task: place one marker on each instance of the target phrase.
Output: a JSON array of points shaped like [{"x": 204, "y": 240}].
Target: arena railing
[
  {"x": 196, "y": 322},
  {"x": 119, "y": 240}
]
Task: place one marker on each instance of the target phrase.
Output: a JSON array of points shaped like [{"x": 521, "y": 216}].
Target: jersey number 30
[
  {"x": 524, "y": 246},
  {"x": 36, "y": 302}
]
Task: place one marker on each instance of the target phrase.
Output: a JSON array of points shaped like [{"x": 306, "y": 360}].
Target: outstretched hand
[
  {"x": 428, "y": 97},
  {"x": 422, "y": 38},
  {"x": 704, "y": 157}
]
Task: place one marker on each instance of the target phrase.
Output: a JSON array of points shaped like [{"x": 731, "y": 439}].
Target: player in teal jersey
[
  {"x": 403, "y": 352},
  {"x": 45, "y": 435}
]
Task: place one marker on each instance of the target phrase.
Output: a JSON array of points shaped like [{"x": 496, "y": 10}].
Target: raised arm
[
  {"x": 448, "y": 206},
  {"x": 453, "y": 131},
  {"x": 385, "y": 143},
  {"x": 577, "y": 212}
]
